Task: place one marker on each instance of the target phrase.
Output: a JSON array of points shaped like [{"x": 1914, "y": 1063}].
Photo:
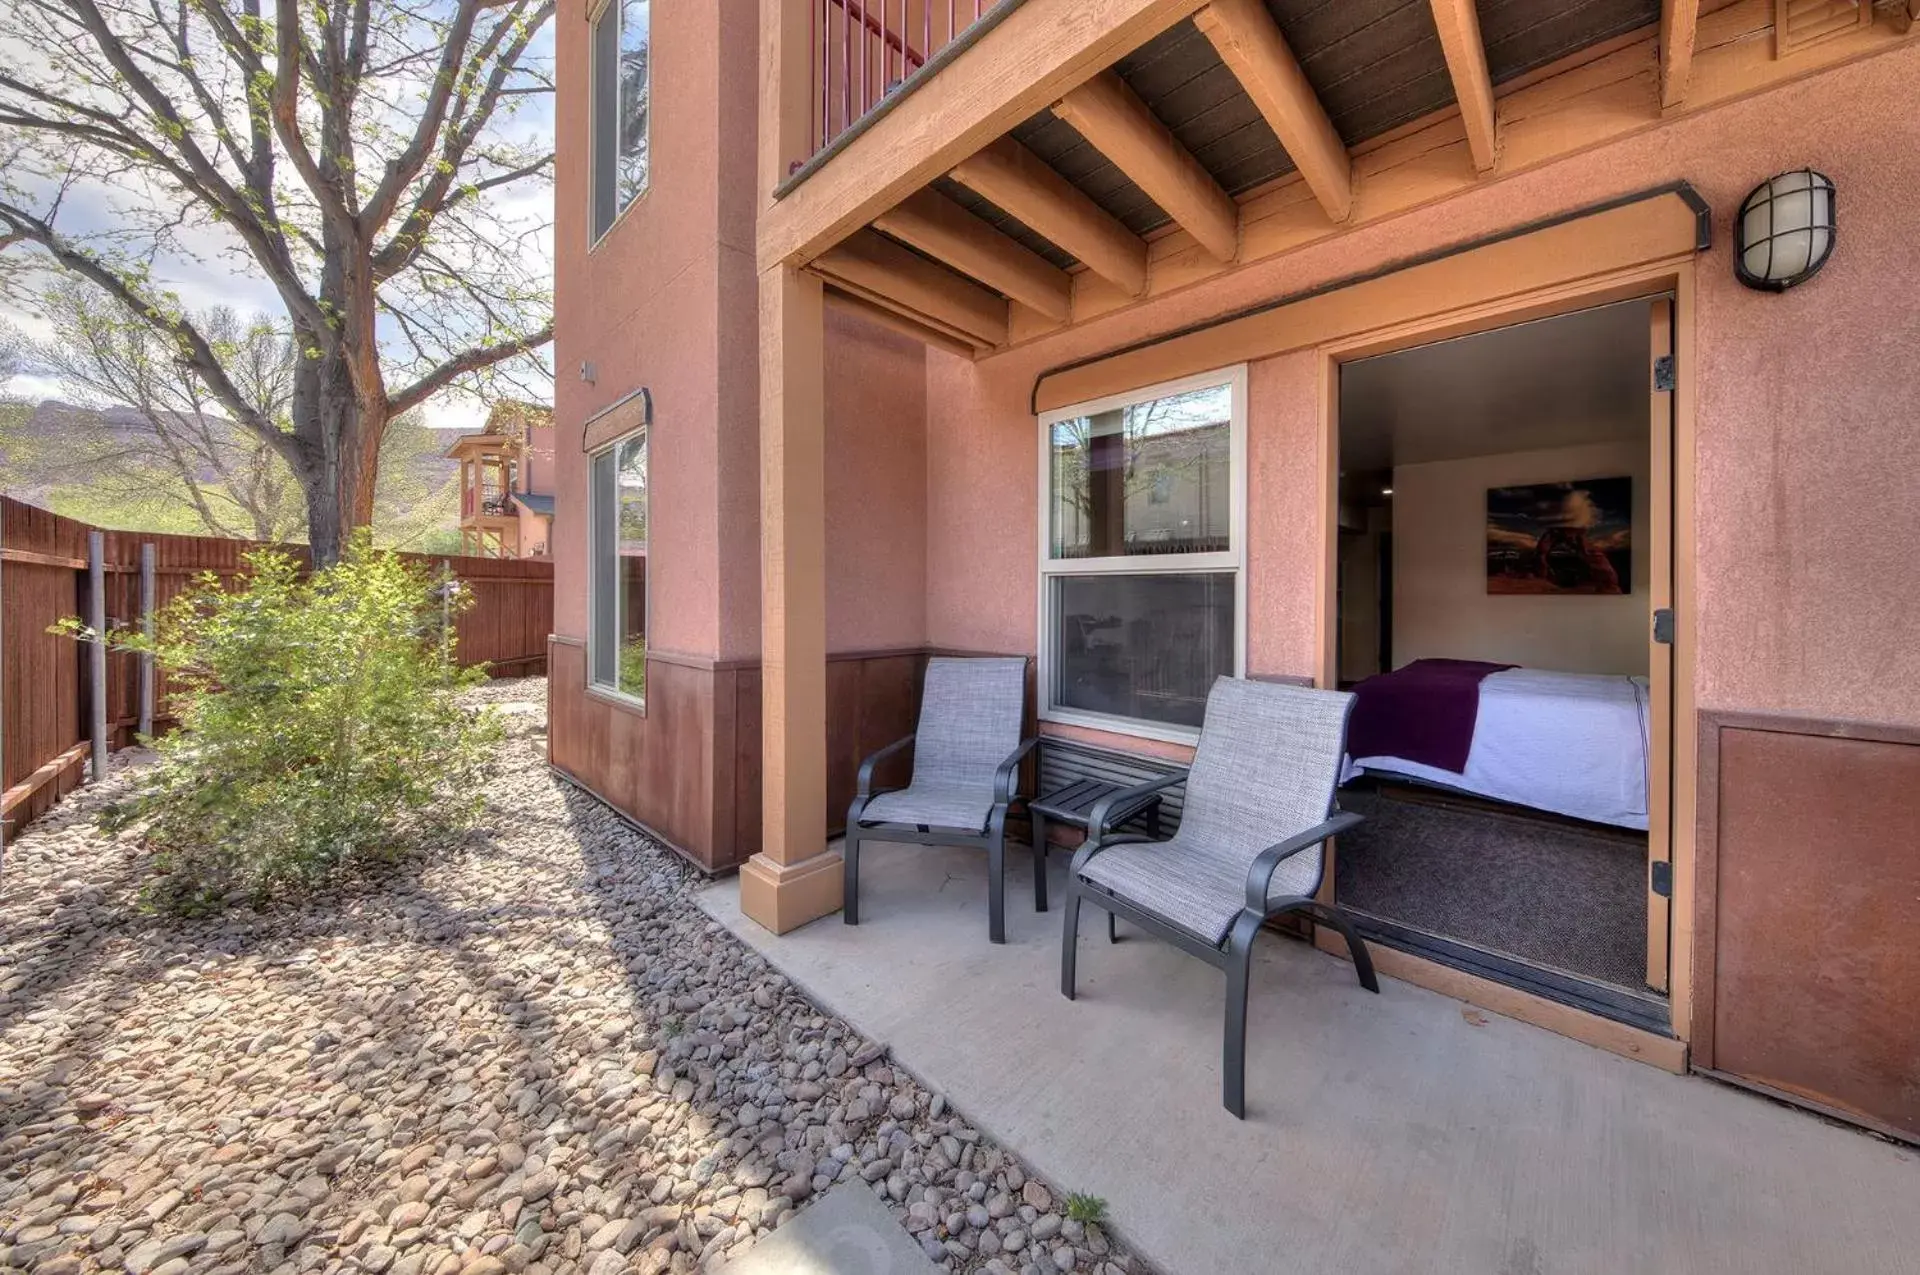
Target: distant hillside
[{"x": 48, "y": 457}]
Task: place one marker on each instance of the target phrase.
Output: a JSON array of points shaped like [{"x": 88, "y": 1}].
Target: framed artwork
[{"x": 1572, "y": 537}]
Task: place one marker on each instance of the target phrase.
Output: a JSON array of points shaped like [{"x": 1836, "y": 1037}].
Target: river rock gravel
[{"x": 534, "y": 1053}]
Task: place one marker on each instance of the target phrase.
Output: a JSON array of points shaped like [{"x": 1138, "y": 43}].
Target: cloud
[{"x": 1578, "y": 510}]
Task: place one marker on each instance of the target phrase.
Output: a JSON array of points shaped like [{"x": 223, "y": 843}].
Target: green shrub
[
  {"x": 1086, "y": 1209},
  {"x": 319, "y": 728}
]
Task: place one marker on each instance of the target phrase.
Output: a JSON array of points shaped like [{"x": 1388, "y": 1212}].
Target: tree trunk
[{"x": 339, "y": 445}]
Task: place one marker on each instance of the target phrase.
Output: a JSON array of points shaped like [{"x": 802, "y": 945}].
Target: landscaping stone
[{"x": 533, "y": 1053}]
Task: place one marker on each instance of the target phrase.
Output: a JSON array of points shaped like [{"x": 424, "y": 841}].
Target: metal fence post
[
  {"x": 146, "y": 628},
  {"x": 97, "y": 649}
]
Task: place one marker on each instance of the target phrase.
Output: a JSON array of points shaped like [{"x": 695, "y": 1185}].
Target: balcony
[
  {"x": 866, "y": 53},
  {"x": 981, "y": 175}
]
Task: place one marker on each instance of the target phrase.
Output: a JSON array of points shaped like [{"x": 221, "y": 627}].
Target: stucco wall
[
  {"x": 1807, "y": 450},
  {"x": 668, "y": 299},
  {"x": 1441, "y": 606},
  {"x": 644, "y": 307},
  {"x": 876, "y": 413}
]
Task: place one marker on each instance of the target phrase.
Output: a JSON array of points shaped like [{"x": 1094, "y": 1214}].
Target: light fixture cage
[{"x": 1785, "y": 230}]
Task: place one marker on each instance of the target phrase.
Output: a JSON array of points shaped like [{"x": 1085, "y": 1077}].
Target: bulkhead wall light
[{"x": 1784, "y": 232}]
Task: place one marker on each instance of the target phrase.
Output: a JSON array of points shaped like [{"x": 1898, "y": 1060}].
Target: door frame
[{"x": 1412, "y": 316}]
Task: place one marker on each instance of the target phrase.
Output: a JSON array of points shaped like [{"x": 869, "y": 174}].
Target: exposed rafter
[
  {"x": 1248, "y": 41},
  {"x": 1014, "y": 178},
  {"x": 1459, "y": 27},
  {"x": 893, "y": 317},
  {"x": 868, "y": 263},
  {"x": 1118, "y": 124},
  {"x": 944, "y": 230},
  {"x": 1679, "y": 20}
]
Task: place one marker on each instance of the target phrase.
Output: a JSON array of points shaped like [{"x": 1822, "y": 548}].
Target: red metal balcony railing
[{"x": 864, "y": 51}]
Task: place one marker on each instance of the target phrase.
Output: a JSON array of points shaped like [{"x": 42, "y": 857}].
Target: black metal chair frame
[
  {"x": 1234, "y": 954},
  {"x": 993, "y": 840}
]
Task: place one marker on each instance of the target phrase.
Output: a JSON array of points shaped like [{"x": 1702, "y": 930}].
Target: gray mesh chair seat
[
  {"x": 931, "y": 806},
  {"x": 1251, "y": 845},
  {"x": 1201, "y": 889},
  {"x": 966, "y": 761}
]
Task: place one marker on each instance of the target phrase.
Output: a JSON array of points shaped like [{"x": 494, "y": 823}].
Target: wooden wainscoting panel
[
  {"x": 657, "y": 767},
  {"x": 1809, "y": 854},
  {"x": 746, "y": 762},
  {"x": 688, "y": 768}
]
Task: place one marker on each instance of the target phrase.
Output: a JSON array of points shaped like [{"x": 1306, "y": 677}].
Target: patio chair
[
  {"x": 966, "y": 763},
  {"x": 1259, "y": 808}
]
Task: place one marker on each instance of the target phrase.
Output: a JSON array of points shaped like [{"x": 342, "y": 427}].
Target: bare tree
[
  {"x": 358, "y": 155},
  {"x": 182, "y": 442}
]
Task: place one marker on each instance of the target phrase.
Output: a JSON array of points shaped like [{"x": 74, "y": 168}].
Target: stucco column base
[{"x": 785, "y": 896}]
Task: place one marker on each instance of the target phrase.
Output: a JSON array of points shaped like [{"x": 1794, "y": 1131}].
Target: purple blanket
[{"x": 1424, "y": 712}]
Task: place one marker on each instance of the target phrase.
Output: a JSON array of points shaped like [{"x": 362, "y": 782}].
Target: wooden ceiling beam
[
  {"x": 878, "y": 310},
  {"x": 874, "y": 264},
  {"x": 1249, "y": 42},
  {"x": 1459, "y": 27},
  {"x": 1012, "y": 177},
  {"x": 1679, "y": 22},
  {"x": 1118, "y": 124},
  {"x": 947, "y": 232}
]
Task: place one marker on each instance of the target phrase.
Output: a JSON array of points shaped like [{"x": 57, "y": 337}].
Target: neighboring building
[
  {"x": 862, "y": 398},
  {"x": 507, "y": 483}
]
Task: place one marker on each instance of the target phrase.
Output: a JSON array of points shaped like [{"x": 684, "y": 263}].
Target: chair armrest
[
  {"x": 1102, "y": 811},
  {"x": 1260, "y": 875},
  {"x": 1005, "y": 774},
  {"x": 864, "y": 786}
]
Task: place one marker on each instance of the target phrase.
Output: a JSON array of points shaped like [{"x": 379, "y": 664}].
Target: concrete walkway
[
  {"x": 1394, "y": 1133},
  {"x": 847, "y": 1231}
]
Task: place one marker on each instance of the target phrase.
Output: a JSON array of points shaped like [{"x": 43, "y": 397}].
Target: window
[
  {"x": 620, "y": 137},
  {"x": 617, "y": 572},
  {"x": 1142, "y": 589}
]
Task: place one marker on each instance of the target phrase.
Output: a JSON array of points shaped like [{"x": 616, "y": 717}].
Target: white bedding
[{"x": 1570, "y": 743}]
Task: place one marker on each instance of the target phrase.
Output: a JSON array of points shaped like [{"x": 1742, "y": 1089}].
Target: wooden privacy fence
[{"x": 47, "y": 681}]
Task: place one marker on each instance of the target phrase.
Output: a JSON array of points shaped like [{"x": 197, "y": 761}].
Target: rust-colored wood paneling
[
  {"x": 746, "y": 761},
  {"x": 689, "y": 767},
  {"x": 655, "y": 766},
  {"x": 41, "y": 678},
  {"x": 1807, "y": 967}
]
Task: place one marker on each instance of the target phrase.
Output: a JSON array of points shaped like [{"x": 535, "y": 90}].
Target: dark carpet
[{"x": 1566, "y": 896}]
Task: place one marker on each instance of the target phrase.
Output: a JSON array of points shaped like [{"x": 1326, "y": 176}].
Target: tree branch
[
  {"x": 473, "y": 360},
  {"x": 431, "y": 200},
  {"x": 194, "y": 348}
]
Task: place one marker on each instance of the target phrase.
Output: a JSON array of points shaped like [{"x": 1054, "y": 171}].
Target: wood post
[
  {"x": 97, "y": 650},
  {"x": 146, "y": 628},
  {"x": 794, "y": 878}
]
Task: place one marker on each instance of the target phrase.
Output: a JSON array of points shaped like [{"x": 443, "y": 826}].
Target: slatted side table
[{"x": 1073, "y": 805}]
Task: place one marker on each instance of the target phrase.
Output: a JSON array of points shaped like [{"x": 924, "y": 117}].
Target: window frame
[
  {"x": 599, "y": 11},
  {"x": 1233, "y": 559},
  {"x": 594, "y": 687}
]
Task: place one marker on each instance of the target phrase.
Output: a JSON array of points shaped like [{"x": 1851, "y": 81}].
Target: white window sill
[
  {"x": 1134, "y": 727},
  {"x": 620, "y": 699}
]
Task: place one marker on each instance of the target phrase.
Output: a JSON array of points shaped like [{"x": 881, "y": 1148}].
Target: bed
[{"x": 1572, "y": 744}]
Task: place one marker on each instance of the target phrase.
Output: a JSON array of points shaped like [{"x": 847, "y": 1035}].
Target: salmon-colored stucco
[
  {"x": 1806, "y": 451},
  {"x": 1807, "y": 498},
  {"x": 667, "y": 300}
]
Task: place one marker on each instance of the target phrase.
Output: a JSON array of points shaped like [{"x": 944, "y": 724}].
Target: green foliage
[
  {"x": 320, "y": 729},
  {"x": 633, "y": 667},
  {"x": 1086, "y": 1209}
]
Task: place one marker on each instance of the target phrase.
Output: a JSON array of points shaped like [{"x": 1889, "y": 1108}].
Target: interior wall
[
  {"x": 1360, "y": 590},
  {"x": 1441, "y": 607}
]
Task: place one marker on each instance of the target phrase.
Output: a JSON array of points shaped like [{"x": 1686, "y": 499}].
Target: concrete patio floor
[{"x": 1384, "y": 1134}]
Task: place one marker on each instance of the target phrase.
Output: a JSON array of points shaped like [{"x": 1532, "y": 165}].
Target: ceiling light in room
[
  {"x": 1784, "y": 231},
  {"x": 1386, "y": 491}
]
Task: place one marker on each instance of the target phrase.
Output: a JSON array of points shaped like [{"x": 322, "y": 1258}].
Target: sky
[{"x": 218, "y": 277}]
